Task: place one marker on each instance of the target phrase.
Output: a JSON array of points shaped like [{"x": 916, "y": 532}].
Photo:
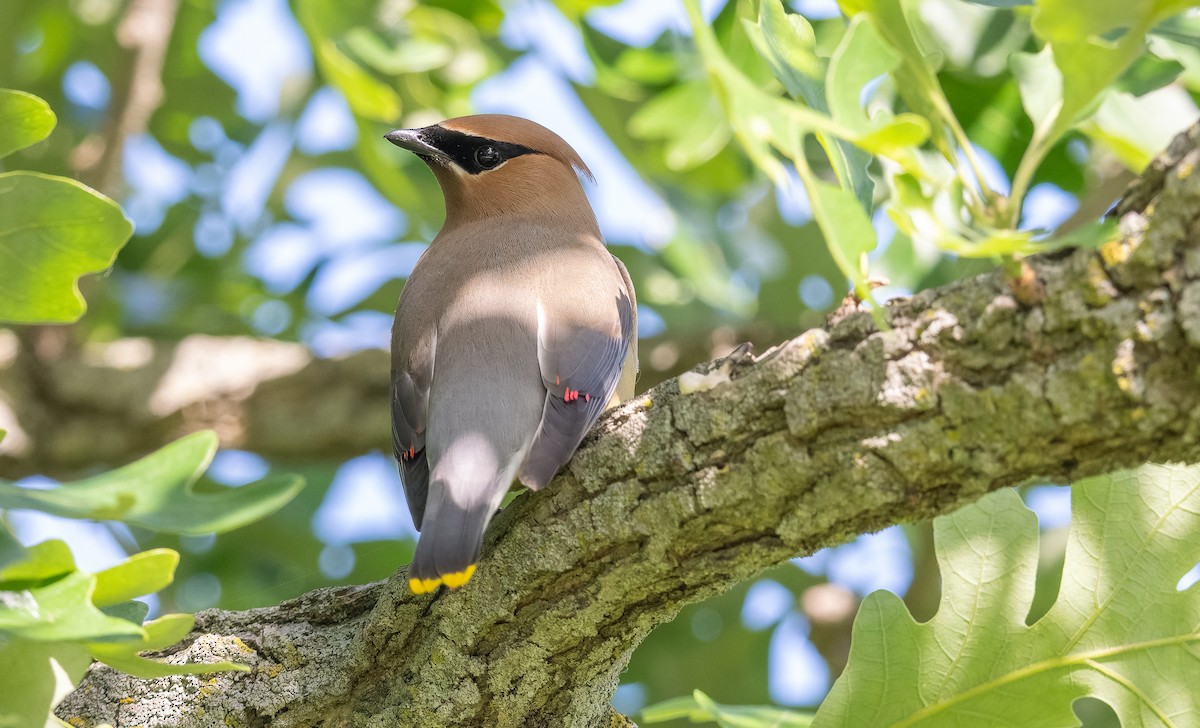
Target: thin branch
[{"x": 145, "y": 32}]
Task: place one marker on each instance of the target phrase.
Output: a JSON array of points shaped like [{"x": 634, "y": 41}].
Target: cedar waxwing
[{"x": 516, "y": 329}]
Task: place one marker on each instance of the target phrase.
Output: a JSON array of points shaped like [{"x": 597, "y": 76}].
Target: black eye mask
[{"x": 473, "y": 154}]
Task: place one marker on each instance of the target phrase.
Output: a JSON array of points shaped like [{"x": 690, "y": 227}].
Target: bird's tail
[
  {"x": 451, "y": 538},
  {"x": 466, "y": 486}
]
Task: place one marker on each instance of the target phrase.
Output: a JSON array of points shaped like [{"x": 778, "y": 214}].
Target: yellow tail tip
[
  {"x": 423, "y": 586},
  {"x": 453, "y": 580},
  {"x": 458, "y": 578}
]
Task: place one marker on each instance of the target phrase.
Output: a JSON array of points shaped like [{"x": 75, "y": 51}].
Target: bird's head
[{"x": 493, "y": 164}]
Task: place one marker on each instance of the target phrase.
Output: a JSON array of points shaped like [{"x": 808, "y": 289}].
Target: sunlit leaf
[
  {"x": 899, "y": 25},
  {"x": 25, "y": 120},
  {"x": 847, "y": 229},
  {"x": 156, "y": 492},
  {"x": 52, "y": 231},
  {"x": 61, "y": 611},
  {"x": 1093, "y": 44},
  {"x": 689, "y": 119},
  {"x": 47, "y": 672},
  {"x": 1136, "y": 128},
  {"x": 367, "y": 96},
  {"x": 1119, "y": 630},
  {"x": 140, "y": 574},
  {"x": 787, "y": 42},
  {"x": 36, "y": 565},
  {"x": 411, "y": 55},
  {"x": 1040, "y": 84},
  {"x": 699, "y": 708},
  {"x": 861, "y": 57}
]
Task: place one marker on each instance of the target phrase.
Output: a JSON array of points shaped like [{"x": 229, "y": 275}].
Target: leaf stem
[{"x": 1055, "y": 663}]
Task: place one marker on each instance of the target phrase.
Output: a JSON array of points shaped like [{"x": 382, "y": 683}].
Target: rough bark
[{"x": 982, "y": 384}]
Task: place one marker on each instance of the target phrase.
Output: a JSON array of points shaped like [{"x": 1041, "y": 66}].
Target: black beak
[{"x": 413, "y": 140}]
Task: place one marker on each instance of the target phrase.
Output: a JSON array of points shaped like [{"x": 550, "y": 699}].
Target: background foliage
[{"x": 266, "y": 203}]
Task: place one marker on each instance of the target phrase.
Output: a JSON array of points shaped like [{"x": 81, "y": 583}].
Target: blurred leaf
[
  {"x": 1181, "y": 28},
  {"x": 1147, "y": 74},
  {"x": 47, "y": 672},
  {"x": 36, "y": 565},
  {"x": 1093, "y": 44},
  {"x": 25, "y": 120},
  {"x": 61, "y": 611},
  {"x": 647, "y": 65},
  {"x": 1040, "y": 84},
  {"x": 787, "y": 42},
  {"x": 1119, "y": 630},
  {"x": 860, "y": 58},
  {"x": 140, "y": 574},
  {"x": 1092, "y": 235},
  {"x": 52, "y": 231},
  {"x": 899, "y": 25},
  {"x": 848, "y": 231},
  {"x": 1137, "y": 128},
  {"x": 156, "y": 492},
  {"x": 130, "y": 611},
  {"x": 701, "y": 709},
  {"x": 327, "y": 24},
  {"x": 1001, "y": 3},
  {"x": 574, "y": 9},
  {"x": 410, "y": 55},
  {"x": 689, "y": 118},
  {"x": 160, "y": 634}
]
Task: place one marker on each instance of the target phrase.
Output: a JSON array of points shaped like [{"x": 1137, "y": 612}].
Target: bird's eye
[{"x": 487, "y": 157}]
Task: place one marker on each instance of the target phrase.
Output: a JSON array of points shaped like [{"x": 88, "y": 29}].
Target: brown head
[{"x": 492, "y": 165}]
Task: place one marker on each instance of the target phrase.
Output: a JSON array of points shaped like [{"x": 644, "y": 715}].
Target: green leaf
[
  {"x": 325, "y": 23},
  {"x": 1093, "y": 44},
  {"x": 156, "y": 492},
  {"x": 861, "y": 57},
  {"x": 1137, "y": 128},
  {"x": 131, "y": 611},
  {"x": 1119, "y": 630},
  {"x": 411, "y": 55},
  {"x": 160, "y": 634},
  {"x": 898, "y": 23},
  {"x": 61, "y": 611},
  {"x": 52, "y": 231},
  {"x": 700, "y": 709},
  {"x": 1040, "y": 83},
  {"x": 1148, "y": 73},
  {"x": 847, "y": 229},
  {"x": 140, "y": 574},
  {"x": 788, "y": 44},
  {"x": 25, "y": 120},
  {"x": 689, "y": 118},
  {"x": 47, "y": 672},
  {"x": 37, "y": 565}
]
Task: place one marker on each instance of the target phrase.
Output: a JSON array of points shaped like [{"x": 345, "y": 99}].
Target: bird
[{"x": 515, "y": 330}]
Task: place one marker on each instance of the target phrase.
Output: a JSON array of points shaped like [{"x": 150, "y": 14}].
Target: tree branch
[
  {"x": 674, "y": 498},
  {"x": 145, "y": 32}
]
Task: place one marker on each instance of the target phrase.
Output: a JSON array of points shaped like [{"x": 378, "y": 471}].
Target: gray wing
[
  {"x": 580, "y": 368},
  {"x": 410, "y": 404}
]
